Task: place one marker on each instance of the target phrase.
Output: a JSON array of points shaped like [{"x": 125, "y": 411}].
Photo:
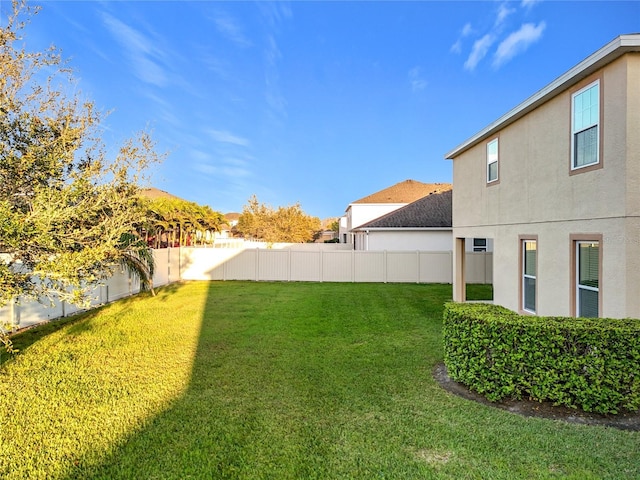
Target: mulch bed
[{"x": 527, "y": 408}]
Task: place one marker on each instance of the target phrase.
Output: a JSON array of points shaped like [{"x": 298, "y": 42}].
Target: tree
[
  {"x": 286, "y": 224},
  {"x": 188, "y": 219},
  {"x": 68, "y": 214}
]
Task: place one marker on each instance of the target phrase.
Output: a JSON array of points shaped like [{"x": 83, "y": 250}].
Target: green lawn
[{"x": 271, "y": 380}]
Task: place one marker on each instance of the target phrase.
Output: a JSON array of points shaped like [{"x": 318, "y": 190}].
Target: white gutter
[{"x": 614, "y": 49}]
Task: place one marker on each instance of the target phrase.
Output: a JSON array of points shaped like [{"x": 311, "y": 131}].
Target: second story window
[
  {"x": 492, "y": 161},
  {"x": 585, "y": 121}
]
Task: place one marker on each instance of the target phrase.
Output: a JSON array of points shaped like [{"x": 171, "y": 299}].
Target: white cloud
[
  {"x": 275, "y": 13},
  {"x": 503, "y": 12},
  {"x": 416, "y": 79},
  {"x": 528, "y": 4},
  {"x": 205, "y": 162},
  {"x": 223, "y": 136},
  {"x": 224, "y": 171},
  {"x": 273, "y": 95},
  {"x": 139, "y": 49},
  {"x": 466, "y": 31},
  {"x": 479, "y": 51},
  {"x": 518, "y": 42},
  {"x": 230, "y": 29}
]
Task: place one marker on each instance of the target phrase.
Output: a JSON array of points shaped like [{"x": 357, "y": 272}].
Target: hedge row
[{"x": 592, "y": 364}]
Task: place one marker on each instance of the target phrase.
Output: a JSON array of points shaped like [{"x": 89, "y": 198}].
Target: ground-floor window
[
  {"x": 587, "y": 277},
  {"x": 529, "y": 263},
  {"x": 479, "y": 244}
]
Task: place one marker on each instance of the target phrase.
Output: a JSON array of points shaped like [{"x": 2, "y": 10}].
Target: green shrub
[{"x": 592, "y": 364}]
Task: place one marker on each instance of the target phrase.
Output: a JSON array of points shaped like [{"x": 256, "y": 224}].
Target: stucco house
[
  {"x": 380, "y": 203},
  {"x": 555, "y": 183},
  {"x": 421, "y": 225}
]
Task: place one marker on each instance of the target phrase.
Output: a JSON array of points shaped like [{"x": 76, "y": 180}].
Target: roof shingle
[
  {"x": 405, "y": 192},
  {"x": 431, "y": 211}
]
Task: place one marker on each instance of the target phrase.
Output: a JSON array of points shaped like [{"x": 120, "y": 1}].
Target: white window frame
[
  {"x": 479, "y": 246},
  {"x": 577, "y": 275},
  {"x": 575, "y": 132},
  {"x": 526, "y": 276},
  {"x": 491, "y": 160}
]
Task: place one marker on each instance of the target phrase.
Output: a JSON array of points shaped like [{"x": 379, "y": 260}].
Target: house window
[
  {"x": 479, "y": 244},
  {"x": 587, "y": 278},
  {"x": 585, "y": 120},
  {"x": 492, "y": 161},
  {"x": 529, "y": 274}
]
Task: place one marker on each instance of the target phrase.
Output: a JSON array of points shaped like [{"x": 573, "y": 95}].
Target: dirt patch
[{"x": 527, "y": 408}]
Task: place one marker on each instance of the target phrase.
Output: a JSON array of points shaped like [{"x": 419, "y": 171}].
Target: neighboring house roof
[
  {"x": 154, "y": 193},
  {"x": 232, "y": 216},
  {"x": 404, "y": 192},
  {"x": 431, "y": 211},
  {"x": 613, "y": 50}
]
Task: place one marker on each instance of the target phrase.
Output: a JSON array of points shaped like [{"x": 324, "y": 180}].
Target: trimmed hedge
[{"x": 587, "y": 363}]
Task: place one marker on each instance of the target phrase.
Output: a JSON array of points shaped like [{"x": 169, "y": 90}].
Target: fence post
[
  {"x": 353, "y": 266},
  {"x": 257, "y": 264},
  {"x": 418, "y": 265},
  {"x": 384, "y": 266},
  {"x": 14, "y": 313}
]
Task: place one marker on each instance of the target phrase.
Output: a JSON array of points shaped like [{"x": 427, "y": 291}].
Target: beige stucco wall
[{"x": 536, "y": 195}]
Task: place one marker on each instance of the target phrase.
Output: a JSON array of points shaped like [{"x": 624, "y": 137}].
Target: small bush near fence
[{"x": 592, "y": 364}]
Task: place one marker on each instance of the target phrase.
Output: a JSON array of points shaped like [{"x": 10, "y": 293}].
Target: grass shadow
[
  {"x": 300, "y": 380},
  {"x": 275, "y": 385}
]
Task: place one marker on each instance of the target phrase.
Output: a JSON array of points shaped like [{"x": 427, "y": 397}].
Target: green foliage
[
  {"x": 592, "y": 364},
  {"x": 181, "y": 222},
  {"x": 285, "y": 224},
  {"x": 67, "y": 211}
]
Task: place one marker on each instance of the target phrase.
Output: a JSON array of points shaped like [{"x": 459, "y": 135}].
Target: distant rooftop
[
  {"x": 431, "y": 211},
  {"x": 154, "y": 193},
  {"x": 232, "y": 216},
  {"x": 405, "y": 192}
]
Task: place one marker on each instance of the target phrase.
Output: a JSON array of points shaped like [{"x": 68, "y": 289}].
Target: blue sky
[{"x": 320, "y": 103}]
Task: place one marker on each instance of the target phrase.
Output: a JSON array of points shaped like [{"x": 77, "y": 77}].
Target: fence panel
[
  {"x": 436, "y": 267},
  {"x": 369, "y": 266},
  {"x": 273, "y": 265},
  {"x": 162, "y": 270},
  {"x": 326, "y": 265},
  {"x": 337, "y": 266},
  {"x": 306, "y": 266},
  {"x": 479, "y": 267},
  {"x": 402, "y": 267},
  {"x": 243, "y": 266}
]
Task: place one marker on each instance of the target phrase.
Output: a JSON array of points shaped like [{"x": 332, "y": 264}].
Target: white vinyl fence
[
  {"x": 324, "y": 265},
  {"x": 27, "y": 312},
  {"x": 290, "y": 263}
]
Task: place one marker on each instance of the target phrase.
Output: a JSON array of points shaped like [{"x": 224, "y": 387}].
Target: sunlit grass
[
  {"x": 76, "y": 393},
  {"x": 272, "y": 380}
]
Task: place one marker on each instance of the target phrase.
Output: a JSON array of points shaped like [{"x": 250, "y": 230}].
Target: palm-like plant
[{"x": 137, "y": 258}]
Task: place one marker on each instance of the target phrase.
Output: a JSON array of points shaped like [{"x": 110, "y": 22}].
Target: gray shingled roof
[{"x": 432, "y": 211}]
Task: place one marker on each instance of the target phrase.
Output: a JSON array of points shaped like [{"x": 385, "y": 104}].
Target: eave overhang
[{"x": 610, "y": 52}]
